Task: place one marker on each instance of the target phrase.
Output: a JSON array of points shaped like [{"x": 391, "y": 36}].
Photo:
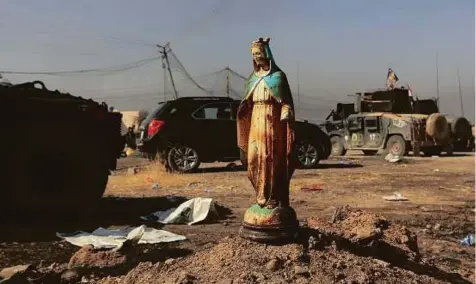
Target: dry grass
[
  {"x": 143, "y": 182},
  {"x": 437, "y": 181}
]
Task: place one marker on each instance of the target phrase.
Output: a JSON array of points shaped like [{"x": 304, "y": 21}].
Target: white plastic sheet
[
  {"x": 115, "y": 238},
  {"x": 190, "y": 212}
]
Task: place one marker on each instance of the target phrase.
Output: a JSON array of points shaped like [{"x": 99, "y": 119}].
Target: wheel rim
[
  {"x": 307, "y": 154},
  {"x": 184, "y": 158},
  {"x": 395, "y": 148}
]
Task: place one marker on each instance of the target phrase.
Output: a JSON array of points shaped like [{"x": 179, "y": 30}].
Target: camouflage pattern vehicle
[
  {"x": 59, "y": 149},
  {"x": 384, "y": 120}
]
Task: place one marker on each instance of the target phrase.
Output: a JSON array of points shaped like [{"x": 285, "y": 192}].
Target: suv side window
[{"x": 214, "y": 111}]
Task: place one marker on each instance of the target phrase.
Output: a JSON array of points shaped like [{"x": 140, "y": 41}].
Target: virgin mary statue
[{"x": 265, "y": 118}]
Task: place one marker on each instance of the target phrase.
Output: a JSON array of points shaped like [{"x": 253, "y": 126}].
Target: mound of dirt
[
  {"x": 235, "y": 260},
  {"x": 355, "y": 247},
  {"x": 87, "y": 256},
  {"x": 368, "y": 233}
]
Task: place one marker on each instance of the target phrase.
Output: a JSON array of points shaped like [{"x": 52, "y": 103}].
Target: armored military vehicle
[
  {"x": 334, "y": 126},
  {"x": 460, "y": 127},
  {"x": 58, "y": 149},
  {"x": 384, "y": 120}
]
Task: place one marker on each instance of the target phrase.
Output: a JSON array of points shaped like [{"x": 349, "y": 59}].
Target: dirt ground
[{"x": 439, "y": 213}]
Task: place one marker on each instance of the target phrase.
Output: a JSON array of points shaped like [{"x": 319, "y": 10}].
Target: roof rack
[
  {"x": 385, "y": 90},
  {"x": 206, "y": 98}
]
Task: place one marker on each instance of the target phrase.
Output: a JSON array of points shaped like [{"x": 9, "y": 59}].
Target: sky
[{"x": 335, "y": 48}]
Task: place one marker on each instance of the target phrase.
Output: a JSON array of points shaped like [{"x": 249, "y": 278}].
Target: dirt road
[{"x": 440, "y": 208}]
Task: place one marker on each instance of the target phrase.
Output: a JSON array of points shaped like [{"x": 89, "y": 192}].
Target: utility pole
[
  {"x": 228, "y": 83},
  {"x": 460, "y": 93},
  {"x": 437, "y": 83},
  {"x": 163, "y": 50},
  {"x": 165, "y": 79}
]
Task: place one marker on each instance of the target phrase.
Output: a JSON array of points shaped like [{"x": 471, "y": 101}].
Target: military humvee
[
  {"x": 384, "y": 120},
  {"x": 460, "y": 127}
]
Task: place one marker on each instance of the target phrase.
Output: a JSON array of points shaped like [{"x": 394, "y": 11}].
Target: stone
[
  {"x": 428, "y": 226},
  {"x": 381, "y": 263},
  {"x": 272, "y": 265},
  {"x": 300, "y": 270},
  {"x": 70, "y": 276},
  {"x": 87, "y": 256},
  {"x": 437, "y": 227},
  {"x": 169, "y": 261},
  {"x": 10, "y": 271},
  {"x": 184, "y": 278}
]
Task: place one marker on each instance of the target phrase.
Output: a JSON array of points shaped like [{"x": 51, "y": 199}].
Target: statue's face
[{"x": 259, "y": 55}]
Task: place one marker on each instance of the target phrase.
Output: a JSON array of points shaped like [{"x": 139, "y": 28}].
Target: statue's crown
[{"x": 261, "y": 42}]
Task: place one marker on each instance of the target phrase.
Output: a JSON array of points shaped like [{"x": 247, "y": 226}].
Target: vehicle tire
[
  {"x": 396, "y": 146},
  {"x": 183, "y": 159},
  {"x": 307, "y": 154},
  {"x": 338, "y": 148},
  {"x": 459, "y": 127},
  {"x": 370, "y": 152},
  {"x": 432, "y": 151},
  {"x": 437, "y": 127},
  {"x": 243, "y": 158}
]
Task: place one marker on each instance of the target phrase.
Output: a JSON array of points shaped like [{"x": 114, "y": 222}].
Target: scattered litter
[
  {"x": 148, "y": 179},
  {"x": 226, "y": 187},
  {"x": 115, "y": 238},
  {"x": 436, "y": 170},
  {"x": 395, "y": 197},
  {"x": 468, "y": 240},
  {"x": 132, "y": 171},
  {"x": 190, "y": 212},
  {"x": 155, "y": 186},
  {"x": 435, "y": 156},
  {"x": 314, "y": 187},
  {"x": 392, "y": 159},
  {"x": 194, "y": 183},
  {"x": 208, "y": 190},
  {"x": 346, "y": 162}
]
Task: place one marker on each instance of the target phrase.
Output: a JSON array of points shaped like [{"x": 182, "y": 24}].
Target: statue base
[{"x": 269, "y": 225}]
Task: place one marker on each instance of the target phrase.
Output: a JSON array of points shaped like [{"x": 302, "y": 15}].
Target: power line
[{"x": 108, "y": 70}]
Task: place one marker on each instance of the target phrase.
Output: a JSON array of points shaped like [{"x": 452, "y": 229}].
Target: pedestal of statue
[{"x": 261, "y": 224}]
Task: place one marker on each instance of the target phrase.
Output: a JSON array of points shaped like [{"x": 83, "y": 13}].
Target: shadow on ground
[{"x": 111, "y": 211}]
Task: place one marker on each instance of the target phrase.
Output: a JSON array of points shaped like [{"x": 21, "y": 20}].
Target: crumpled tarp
[
  {"x": 115, "y": 238},
  {"x": 190, "y": 212}
]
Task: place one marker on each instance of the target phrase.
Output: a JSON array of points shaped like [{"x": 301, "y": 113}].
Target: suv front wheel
[{"x": 183, "y": 159}]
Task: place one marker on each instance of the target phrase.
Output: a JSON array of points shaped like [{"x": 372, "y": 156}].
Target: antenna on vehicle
[
  {"x": 437, "y": 83},
  {"x": 460, "y": 92}
]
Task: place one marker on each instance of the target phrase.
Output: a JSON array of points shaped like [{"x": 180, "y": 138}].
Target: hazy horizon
[{"x": 341, "y": 47}]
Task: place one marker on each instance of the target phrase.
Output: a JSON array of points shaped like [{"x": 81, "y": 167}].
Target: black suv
[{"x": 187, "y": 131}]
